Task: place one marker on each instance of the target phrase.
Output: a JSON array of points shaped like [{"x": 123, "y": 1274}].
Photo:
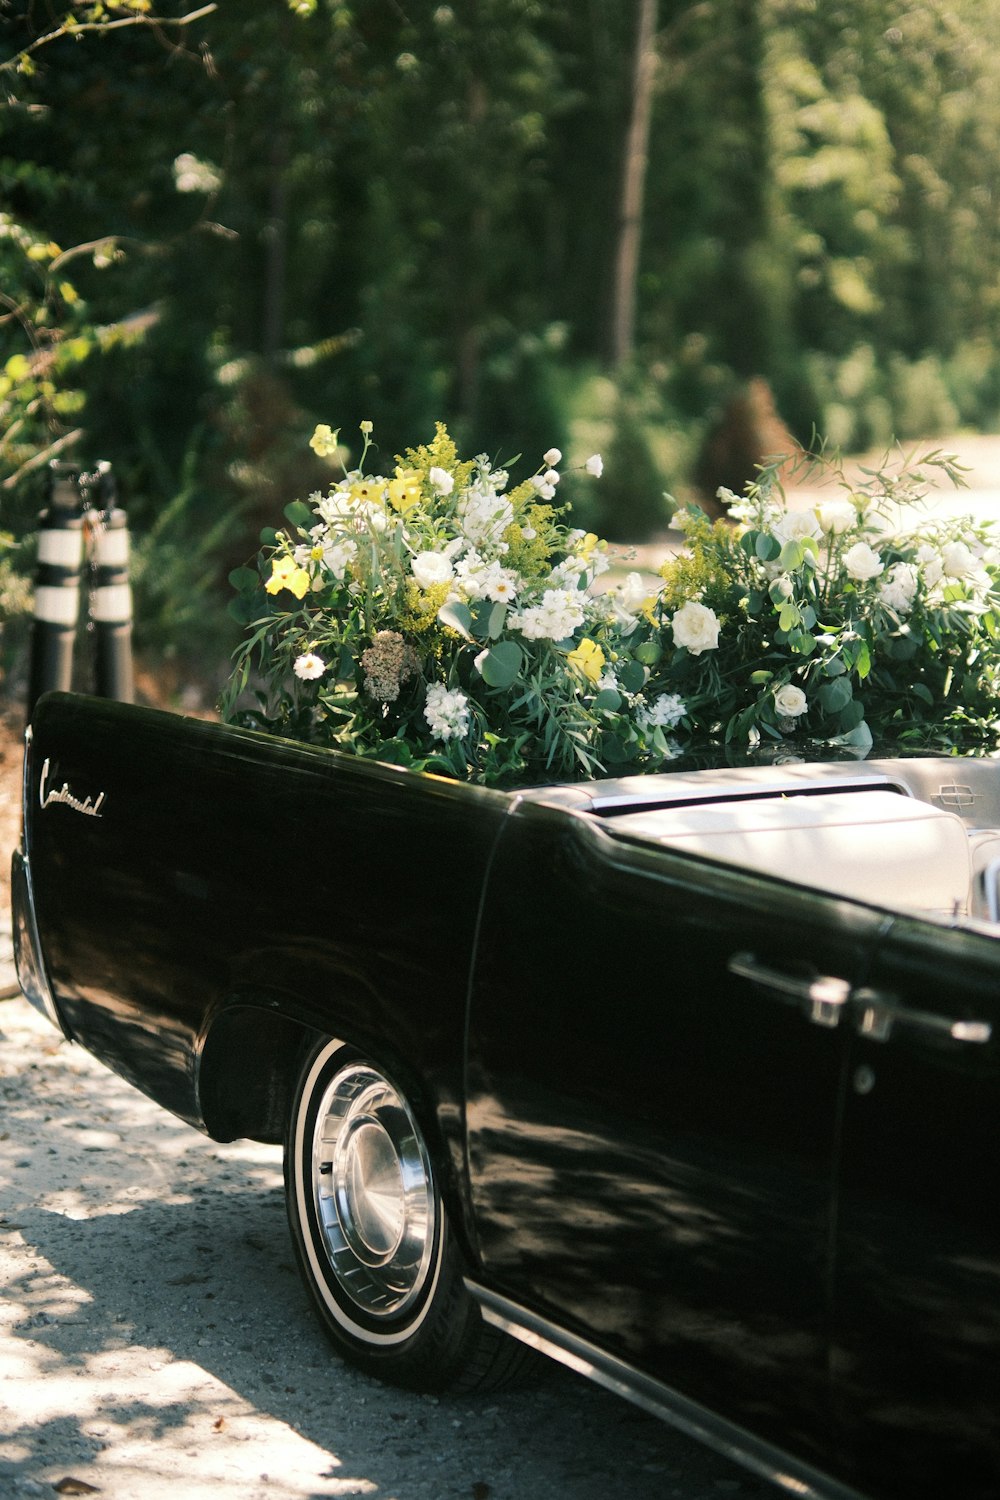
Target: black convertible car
[{"x": 690, "y": 1081}]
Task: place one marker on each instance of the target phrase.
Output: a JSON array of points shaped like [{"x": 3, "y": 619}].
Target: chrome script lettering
[{"x": 47, "y": 794}]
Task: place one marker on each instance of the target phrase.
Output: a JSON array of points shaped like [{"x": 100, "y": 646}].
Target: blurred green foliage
[{"x": 221, "y": 224}]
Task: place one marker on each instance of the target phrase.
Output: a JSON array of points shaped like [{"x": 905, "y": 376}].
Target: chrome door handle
[
  {"x": 823, "y": 995},
  {"x": 878, "y": 1011}
]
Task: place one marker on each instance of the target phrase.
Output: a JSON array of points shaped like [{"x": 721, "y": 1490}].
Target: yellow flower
[
  {"x": 588, "y": 544},
  {"x": 588, "y": 658},
  {"x": 404, "y": 490},
  {"x": 286, "y": 574},
  {"x": 324, "y": 440},
  {"x": 366, "y": 492}
]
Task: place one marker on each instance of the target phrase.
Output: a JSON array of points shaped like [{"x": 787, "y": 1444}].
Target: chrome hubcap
[{"x": 373, "y": 1191}]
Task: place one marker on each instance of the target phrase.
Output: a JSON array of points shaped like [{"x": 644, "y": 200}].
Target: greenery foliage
[
  {"x": 437, "y": 619},
  {"x": 850, "y": 621}
]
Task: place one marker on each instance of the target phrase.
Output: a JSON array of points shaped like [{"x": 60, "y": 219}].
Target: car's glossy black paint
[
  {"x": 241, "y": 883},
  {"x": 793, "y": 1224},
  {"x": 652, "y": 1155}
]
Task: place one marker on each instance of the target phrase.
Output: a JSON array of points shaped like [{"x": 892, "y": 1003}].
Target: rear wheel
[{"x": 372, "y": 1235}]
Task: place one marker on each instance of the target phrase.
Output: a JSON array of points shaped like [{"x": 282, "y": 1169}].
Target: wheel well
[{"x": 247, "y": 1073}]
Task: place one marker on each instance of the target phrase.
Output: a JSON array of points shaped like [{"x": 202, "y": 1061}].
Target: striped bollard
[
  {"x": 110, "y": 594},
  {"x": 58, "y": 576},
  {"x": 111, "y": 608}
]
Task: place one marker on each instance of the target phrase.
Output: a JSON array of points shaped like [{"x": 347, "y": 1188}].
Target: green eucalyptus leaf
[
  {"x": 902, "y": 647},
  {"x": 851, "y": 715},
  {"x": 613, "y": 750},
  {"x": 835, "y": 667},
  {"x": 243, "y": 608},
  {"x": 497, "y": 620},
  {"x": 501, "y": 665},
  {"x": 859, "y": 738},
  {"x": 244, "y": 578},
  {"x": 834, "y": 696},
  {"x": 767, "y": 547},
  {"x": 632, "y": 676},
  {"x": 300, "y": 514},
  {"x": 608, "y": 699},
  {"x": 458, "y": 617},
  {"x": 791, "y": 556}
]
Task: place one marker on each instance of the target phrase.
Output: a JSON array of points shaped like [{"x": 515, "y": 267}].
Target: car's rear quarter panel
[{"x": 229, "y": 869}]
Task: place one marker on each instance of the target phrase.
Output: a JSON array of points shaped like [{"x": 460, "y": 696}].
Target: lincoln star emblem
[
  {"x": 89, "y": 806},
  {"x": 956, "y": 794}
]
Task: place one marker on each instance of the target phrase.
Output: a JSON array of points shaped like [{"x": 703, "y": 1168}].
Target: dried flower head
[{"x": 388, "y": 663}]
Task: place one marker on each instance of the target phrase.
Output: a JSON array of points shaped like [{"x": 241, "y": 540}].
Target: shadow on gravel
[{"x": 155, "y": 1337}]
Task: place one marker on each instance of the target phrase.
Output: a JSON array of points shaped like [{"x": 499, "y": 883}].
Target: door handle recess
[{"x": 822, "y": 995}]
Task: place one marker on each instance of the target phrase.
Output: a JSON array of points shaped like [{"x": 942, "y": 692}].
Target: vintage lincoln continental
[{"x": 691, "y": 1081}]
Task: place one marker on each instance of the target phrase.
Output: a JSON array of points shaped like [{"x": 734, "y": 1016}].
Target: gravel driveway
[{"x": 155, "y": 1341}]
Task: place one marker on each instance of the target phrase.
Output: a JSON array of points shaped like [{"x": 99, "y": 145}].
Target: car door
[
  {"x": 918, "y": 1276},
  {"x": 654, "y": 1079}
]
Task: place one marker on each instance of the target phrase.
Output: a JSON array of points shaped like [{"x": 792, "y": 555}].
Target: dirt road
[{"x": 155, "y": 1342}]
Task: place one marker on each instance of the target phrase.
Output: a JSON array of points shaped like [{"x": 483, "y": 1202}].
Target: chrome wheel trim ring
[{"x": 363, "y": 1175}]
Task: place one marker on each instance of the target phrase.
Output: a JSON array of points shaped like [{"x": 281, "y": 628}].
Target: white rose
[
  {"x": 899, "y": 587},
  {"x": 793, "y": 525},
  {"x": 836, "y": 516},
  {"x": 861, "y": 563},
  {"x": 696, "y": 627},
  {"x": 930, "y": 564},
  {"x": 956, "y": 560},
  {"x": 430, "y": 568},
  {"x": 790, "y": 701},
  {"x": 441, "y": 480}
]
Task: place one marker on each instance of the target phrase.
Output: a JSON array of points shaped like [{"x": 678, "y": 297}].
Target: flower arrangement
[
  {"x": 840, "y": 622},
  {"x": 438, "y": 618},
  {"x": 441, "y": 619}
]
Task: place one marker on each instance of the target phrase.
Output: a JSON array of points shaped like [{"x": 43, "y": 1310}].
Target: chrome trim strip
[{"x": 578, "y": 1354}]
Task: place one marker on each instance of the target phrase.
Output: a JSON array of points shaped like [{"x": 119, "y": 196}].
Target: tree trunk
[{"x": 622, "y": 333}]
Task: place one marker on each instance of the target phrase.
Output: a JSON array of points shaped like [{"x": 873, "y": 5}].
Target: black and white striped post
[
  {"x": 110, "y": 602},
  {"x": 58, "y": 579},
  {"x": 83, "y": 543}
]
